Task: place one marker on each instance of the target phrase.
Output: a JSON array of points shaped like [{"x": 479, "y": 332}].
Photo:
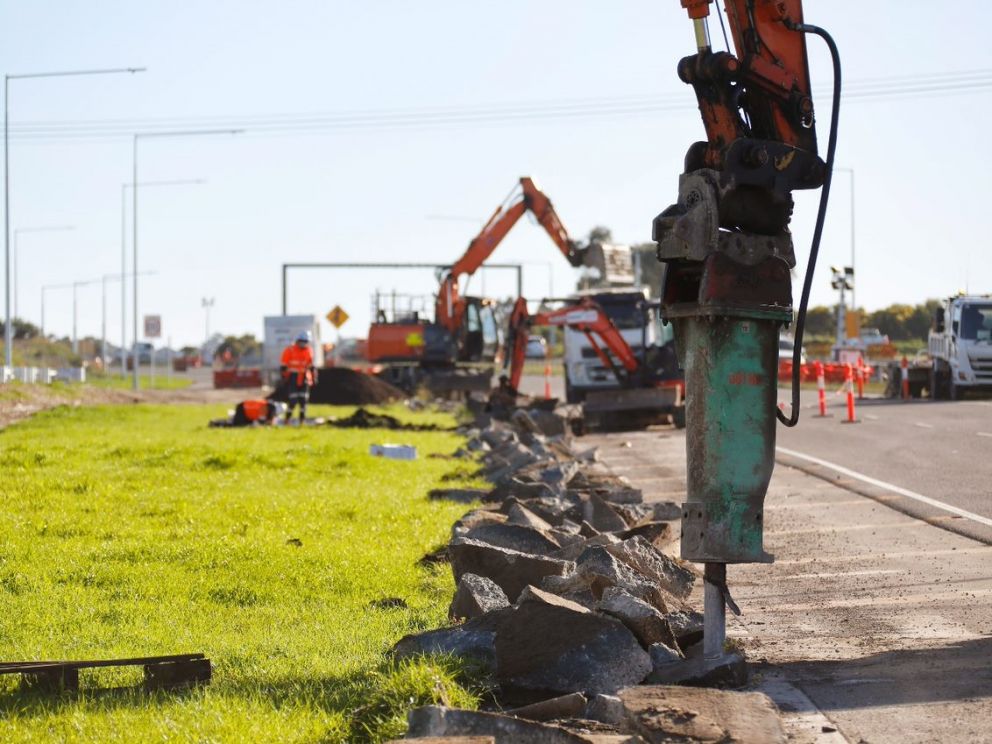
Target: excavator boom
[
  {"x": 585, "y": 316},
  {"x": 450, "y": 308}
]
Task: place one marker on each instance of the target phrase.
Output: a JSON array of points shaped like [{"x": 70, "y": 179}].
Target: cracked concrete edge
[
  {"x": 894, "y": 501},
  {"x": 801, "y": 719}
]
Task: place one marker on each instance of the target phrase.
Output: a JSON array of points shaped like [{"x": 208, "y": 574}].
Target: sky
[{"x": 387, "y": 130}]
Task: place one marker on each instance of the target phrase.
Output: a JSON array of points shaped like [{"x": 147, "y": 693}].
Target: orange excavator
[
  {"x": 651, "y": 386},
  {"x": 465, "y": 329}
]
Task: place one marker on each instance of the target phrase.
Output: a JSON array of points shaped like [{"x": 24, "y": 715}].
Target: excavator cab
[{"x": 480, "y": 337}]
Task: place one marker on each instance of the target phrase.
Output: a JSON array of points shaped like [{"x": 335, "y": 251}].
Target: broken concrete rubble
[
  {"x": 550, "y": 644},
  {"x": 512, "y": 570},
  {"x": 667, "y": 714},
  {"x": 597, "y": 569},
  {"x": 727, "y": 670},
  {"x": 572, "y": 705},
  {"x": 643, "y": 557},
  {"x": 515, "y": 537},
  {"x": 434, "y": 720},
  {"x": 568, "y": 597},
  {"x": 643, "y": 620},
  {"x": 475, "y": 596}
]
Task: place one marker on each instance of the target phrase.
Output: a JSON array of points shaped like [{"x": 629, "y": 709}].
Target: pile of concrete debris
[{"x": 567, "y": 597}]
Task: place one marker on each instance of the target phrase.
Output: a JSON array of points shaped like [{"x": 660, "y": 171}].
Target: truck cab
[{"x": 960, "y": 346}]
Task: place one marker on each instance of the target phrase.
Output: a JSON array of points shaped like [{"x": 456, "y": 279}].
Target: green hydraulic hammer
[{"x": 727, "y": 289}]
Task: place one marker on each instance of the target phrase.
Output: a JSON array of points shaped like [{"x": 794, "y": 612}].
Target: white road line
[
  {"x": 922, "y": 425},
  {"x": 984, "y": 434},
  {"x": 871, "y": 416},
  {"x": 889, "y": 487}
]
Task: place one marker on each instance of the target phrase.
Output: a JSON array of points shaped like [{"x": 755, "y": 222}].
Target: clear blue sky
[{"x": 365, "y": 193}]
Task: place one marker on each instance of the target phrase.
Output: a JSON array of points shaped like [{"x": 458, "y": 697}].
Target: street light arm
[{"x": 74, "y": 73}]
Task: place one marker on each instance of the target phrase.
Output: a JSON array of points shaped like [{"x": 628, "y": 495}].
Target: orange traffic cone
[{"x": 849, "y": 384}]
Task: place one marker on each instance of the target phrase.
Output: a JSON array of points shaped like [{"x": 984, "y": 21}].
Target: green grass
[
  {"x": 145, "y": 382},
  {"x": 135, "y": 530}
]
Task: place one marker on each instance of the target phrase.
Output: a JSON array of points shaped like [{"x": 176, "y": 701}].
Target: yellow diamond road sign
[{"x": 337, "y": 317}]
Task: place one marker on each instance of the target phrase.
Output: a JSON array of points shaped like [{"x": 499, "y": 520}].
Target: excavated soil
[
  {"x": 340, "y": 386},
  {"x": 364, "y": 419}
]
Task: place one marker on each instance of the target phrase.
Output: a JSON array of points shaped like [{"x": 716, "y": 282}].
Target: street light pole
[
  {"x": 134, "y": 221},
  {"x": 206, "y": 304},
  {"x": 8, "y": 336}
]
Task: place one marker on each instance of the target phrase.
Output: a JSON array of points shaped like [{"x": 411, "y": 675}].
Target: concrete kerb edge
[{"x": 895, "y": 501}]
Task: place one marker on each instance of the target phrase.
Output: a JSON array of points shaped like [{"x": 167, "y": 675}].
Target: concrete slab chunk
[
  {"x": 475, "y": 596},
  {"x": 666, "y": 714},
  {"x": 434, "y": 720},
  {"x": 510, "y": 569},
  {"x": 550, "y": 644}
]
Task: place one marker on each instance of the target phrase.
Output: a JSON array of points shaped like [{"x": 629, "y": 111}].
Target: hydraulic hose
[{"x": 821, "y": 216}]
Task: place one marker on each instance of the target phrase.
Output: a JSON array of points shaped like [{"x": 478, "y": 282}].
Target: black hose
[{"x": 821, "y": 216}]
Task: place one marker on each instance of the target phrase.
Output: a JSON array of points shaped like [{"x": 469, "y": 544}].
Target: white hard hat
[{"x": 303, "y": 336}]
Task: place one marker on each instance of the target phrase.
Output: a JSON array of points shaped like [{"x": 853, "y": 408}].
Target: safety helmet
[{"x": 303, "y": 336}]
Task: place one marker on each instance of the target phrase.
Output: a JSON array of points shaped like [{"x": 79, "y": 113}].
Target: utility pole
[
  {"x": 207, "y": 303},
  {"x": 8, "y": 334}
]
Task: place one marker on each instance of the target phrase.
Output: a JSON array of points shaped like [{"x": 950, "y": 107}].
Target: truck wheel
[{"x": 678, "y": 417}]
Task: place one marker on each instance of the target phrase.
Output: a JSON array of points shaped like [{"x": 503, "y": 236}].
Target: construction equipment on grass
[
  {"x": 464, "y": 332},
  {"x": 727, "y": 287},
  {"x": 650, "y": 386}
]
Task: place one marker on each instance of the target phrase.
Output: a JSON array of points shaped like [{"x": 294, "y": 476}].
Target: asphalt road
[
  {"x": 938, "y": 450},
  {"x": 903, "y": 454},
  {"x": 870, "y": 626}
]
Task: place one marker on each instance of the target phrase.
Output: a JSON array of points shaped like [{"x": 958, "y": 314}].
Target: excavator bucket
[{"x": 614, "y": 262}]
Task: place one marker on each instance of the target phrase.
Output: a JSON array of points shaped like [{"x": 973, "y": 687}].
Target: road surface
[
  {"x": 871, "y": 625},
  {"x": 938, "y": 450}
]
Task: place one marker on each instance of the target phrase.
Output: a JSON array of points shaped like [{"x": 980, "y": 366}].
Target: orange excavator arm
[
  {"x": 585, "y": 316},
  {"x": 529, "y": 197}
]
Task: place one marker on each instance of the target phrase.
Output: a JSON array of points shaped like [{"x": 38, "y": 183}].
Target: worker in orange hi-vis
[
  {"x": 256, "y": 411},
  {"x": 296, "y": 367}
]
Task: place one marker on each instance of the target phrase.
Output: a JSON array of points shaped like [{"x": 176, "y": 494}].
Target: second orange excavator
[
  {"x": 651, "y": 386},
  {"x": 465, "y": 330}
]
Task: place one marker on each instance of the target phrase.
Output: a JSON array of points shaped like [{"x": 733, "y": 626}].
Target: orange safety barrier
[
  {"x": 833, "y": 372},
  {"x": 237, "y": 378},
  {"x": 547, "y": 380}
]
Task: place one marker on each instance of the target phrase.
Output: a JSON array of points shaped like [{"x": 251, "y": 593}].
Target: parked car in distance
[
  {"x": 537, "y": 347},
  {"x": 873, "y": 337}
]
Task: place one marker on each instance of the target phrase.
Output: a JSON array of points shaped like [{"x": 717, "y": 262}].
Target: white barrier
[
  {"x": 71, "y": 374},
  {"x": 26, "y": 374}
]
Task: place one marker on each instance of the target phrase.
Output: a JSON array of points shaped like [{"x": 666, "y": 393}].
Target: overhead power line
[{"x": 511, "y": 113}]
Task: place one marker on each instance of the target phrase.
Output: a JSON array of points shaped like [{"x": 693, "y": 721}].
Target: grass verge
[{"x": 135, "y": 530}]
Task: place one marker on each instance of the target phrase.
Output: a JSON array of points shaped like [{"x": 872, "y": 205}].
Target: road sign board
[
  {"x": 153, "y": 326},
  {"x": 337, "y": 317}
]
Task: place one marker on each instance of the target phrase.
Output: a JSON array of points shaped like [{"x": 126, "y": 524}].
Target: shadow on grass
[{"x": 374, "y": 701}]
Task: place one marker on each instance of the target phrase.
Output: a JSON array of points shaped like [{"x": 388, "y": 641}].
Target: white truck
[
  {"x": 280, "y": 331},
  {"x": 960, "y": 347}
]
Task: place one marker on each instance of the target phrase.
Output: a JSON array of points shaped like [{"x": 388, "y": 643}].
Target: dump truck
[{"x": 960, "y": 347}]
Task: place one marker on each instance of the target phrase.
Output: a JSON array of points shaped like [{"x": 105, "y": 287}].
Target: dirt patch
[
  {"x": 340, "y": 386},
  {"x": 364, "y": 419},
  {"x": 18, "y": 402}
]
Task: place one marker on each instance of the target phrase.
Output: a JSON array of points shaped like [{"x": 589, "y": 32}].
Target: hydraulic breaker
[{"x": 727, "y": 289}]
